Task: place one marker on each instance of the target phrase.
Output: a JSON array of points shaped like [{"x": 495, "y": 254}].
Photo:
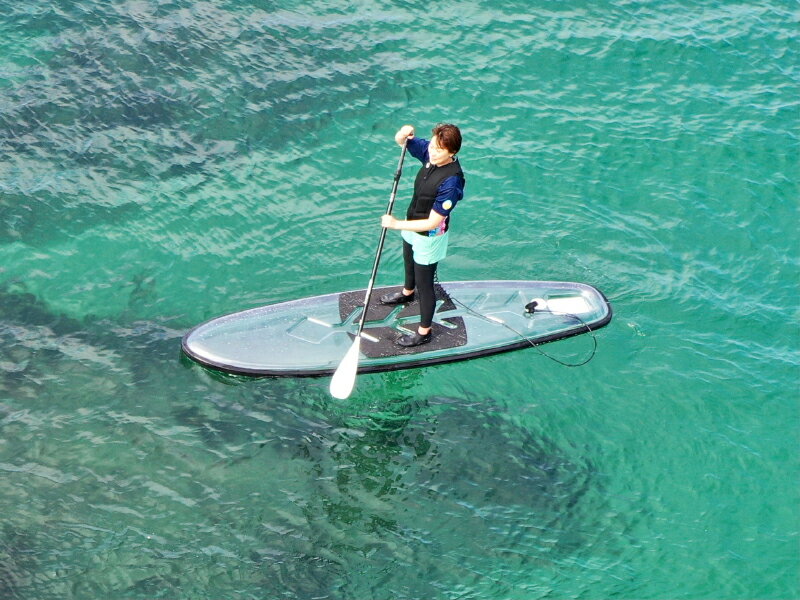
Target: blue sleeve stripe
[{"x": 450, "y": 192}]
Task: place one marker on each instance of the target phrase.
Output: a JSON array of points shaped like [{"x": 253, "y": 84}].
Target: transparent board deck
[{"x": 310, "y": 336}]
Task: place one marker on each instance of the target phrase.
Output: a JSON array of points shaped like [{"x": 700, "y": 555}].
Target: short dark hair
[{"x": 448, "y": 136}]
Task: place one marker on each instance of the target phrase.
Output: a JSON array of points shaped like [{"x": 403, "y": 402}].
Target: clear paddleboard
[{"x": 309, "y": 337}]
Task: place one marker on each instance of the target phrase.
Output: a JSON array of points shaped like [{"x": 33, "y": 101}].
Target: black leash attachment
[
  {"x": 531, "y": 306},
  {"x": 539, "y": 305}
]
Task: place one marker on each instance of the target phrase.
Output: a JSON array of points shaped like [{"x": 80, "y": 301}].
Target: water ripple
[{"x": 161, "y": 163}]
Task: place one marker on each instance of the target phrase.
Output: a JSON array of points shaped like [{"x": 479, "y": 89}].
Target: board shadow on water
[{"x": 438, "y": 484}]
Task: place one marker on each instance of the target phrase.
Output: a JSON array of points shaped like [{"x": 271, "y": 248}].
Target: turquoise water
[{"x": 164, "y": 162}]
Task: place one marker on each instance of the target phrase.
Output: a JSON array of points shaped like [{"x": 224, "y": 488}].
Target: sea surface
[{"x": 163, "y": 162}]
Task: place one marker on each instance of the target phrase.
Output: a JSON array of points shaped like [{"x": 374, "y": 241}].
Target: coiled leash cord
[{"x": 530, "y": 308}]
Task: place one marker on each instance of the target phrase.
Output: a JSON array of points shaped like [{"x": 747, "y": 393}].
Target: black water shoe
[
  {"x": 415, "y": 339},
  {"x": 396, "y": 298}
]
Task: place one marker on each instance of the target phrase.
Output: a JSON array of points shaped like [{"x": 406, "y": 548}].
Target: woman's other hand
[
  {"x": 404, "y": 133},
  {"x": 388, "y": 221}
]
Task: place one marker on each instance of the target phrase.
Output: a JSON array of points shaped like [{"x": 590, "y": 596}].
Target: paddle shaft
[{"x": 383, "y": 238}]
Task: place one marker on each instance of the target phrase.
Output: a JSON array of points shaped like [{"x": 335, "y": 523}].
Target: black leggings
[{"x": 421, "y": 278}]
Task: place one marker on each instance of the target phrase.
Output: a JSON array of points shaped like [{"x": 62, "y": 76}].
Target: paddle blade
[{"x": 345, "y": 376}]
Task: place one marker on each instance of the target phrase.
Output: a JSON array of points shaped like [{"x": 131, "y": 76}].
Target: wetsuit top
[{"x": 435, "y": 188}]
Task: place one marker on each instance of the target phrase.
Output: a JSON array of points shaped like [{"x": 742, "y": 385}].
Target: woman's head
[{"x": 448, "y": 136}]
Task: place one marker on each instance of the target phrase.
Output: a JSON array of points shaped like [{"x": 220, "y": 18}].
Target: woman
[{"x": 437, "y": 189}]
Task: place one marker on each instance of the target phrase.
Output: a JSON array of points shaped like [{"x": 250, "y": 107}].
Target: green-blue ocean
[{"x": 163, "y": 162}]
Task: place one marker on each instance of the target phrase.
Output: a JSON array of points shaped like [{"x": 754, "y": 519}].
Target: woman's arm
[{"x": 432, "y": 222}]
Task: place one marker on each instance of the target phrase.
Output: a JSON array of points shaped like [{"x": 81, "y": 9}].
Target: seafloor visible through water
[{"x": 164, "y": 162}]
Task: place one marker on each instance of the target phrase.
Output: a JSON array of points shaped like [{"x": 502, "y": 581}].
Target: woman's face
[{"x": 438, "y": 155}]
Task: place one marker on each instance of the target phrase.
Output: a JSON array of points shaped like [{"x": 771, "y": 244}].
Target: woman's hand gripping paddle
[{"x": 345, "y": 376}]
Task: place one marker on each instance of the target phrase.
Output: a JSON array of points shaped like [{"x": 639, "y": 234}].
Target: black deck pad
[{"x": 443, "y": 337}]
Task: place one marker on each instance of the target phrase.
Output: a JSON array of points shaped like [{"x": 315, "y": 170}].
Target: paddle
[{"x": 345, "y": 376}]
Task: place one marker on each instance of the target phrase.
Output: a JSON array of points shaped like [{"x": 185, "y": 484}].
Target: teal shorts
[{"x": 427, "y": 250}]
